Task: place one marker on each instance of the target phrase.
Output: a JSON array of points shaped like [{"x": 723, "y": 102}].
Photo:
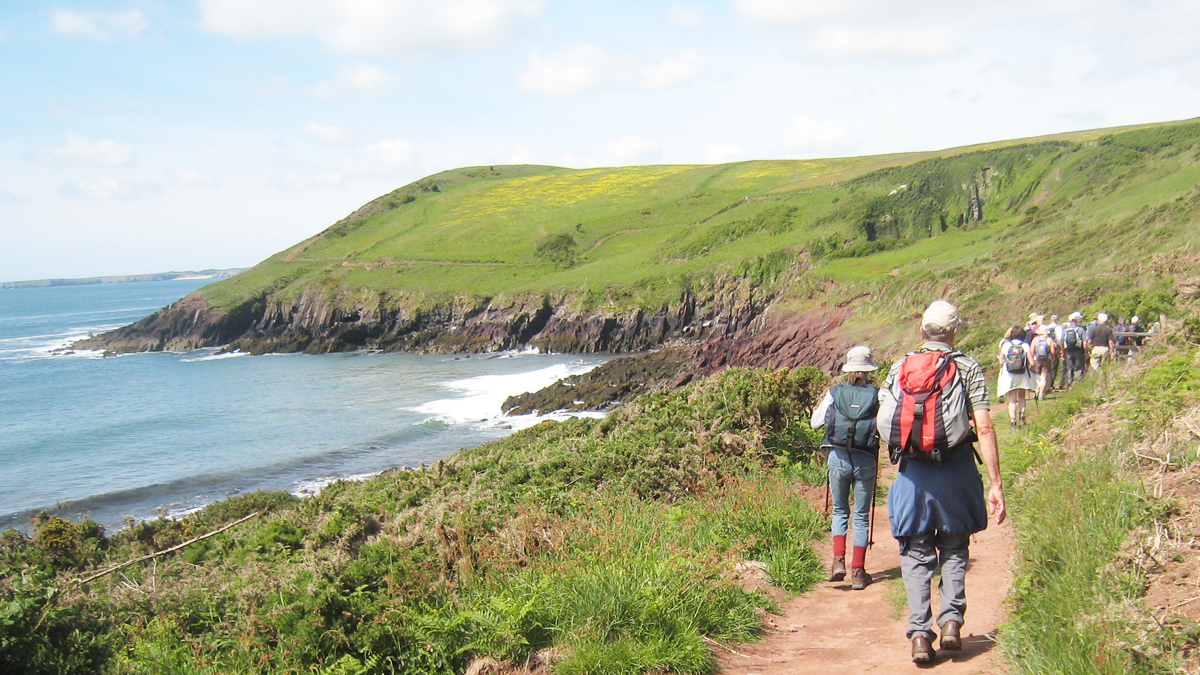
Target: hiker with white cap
[
  {"x": 847, "y": 413},
  {"x": 1100, "y": 344},
  {"x": 933, "y": 407},
  {"x": 1073, "y": 345}
]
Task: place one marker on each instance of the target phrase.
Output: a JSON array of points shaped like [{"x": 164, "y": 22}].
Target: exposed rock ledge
[{"x": 317, "y": 323}]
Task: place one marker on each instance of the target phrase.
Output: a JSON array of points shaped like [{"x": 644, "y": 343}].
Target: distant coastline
[{"x": 128, "y": 278}]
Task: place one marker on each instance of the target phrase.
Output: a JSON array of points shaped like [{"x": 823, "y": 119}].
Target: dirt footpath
[{"x": 833, "y": 629}]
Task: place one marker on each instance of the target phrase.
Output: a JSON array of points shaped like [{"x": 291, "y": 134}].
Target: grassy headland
[{"x": 624, "y": 259}]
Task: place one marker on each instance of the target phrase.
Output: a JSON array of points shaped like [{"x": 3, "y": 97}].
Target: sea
[{"x": 143, "y": 436}]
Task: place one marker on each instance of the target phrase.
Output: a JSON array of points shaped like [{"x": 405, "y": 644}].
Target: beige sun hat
[
  {"x": 858, "y": 360},
  {"x": 941, "y": 316},
  {"x": 1042, "y": 330}
]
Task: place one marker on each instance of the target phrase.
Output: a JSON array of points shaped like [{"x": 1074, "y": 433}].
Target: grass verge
[{"x": 1076, "y": 496}]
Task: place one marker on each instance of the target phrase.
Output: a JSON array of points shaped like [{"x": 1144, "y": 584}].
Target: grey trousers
[{"x": 920, "y": 558}]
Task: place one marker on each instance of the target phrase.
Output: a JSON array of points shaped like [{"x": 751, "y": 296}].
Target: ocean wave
[
  {"x": 313, "y": 487},
  {"x": 480, "y": 398},
  {"x": 214, "y": 357},
  {"x": 48, "y": 346},
  {"x": 519, "y": 422}
]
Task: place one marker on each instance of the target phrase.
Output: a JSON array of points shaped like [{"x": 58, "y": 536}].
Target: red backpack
[{"x": 926, "y": 413}]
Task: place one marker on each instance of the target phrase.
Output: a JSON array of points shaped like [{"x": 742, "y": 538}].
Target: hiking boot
[
  {"x": 922, "y": 650},
  {"x": 837, "y": 570},
  {"x": 1012, "y": 423},
  {"x": 1022, "y": 419},
  {"x": 859, "y": 579},
  {"x": 950, "y": 638}
]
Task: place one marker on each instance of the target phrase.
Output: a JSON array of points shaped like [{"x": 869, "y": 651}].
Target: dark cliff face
[
  {"x": 777, "y": 339},
  {"x": 315, "y": 323}
]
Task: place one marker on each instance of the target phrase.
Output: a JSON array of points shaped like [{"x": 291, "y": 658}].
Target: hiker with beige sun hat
[{"x": 847, "y": 413}]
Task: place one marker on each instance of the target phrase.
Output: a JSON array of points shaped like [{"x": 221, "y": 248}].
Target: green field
[{"x": 999, "y": 228}]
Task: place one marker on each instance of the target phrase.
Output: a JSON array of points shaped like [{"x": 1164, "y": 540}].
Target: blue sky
[{"x": 144, "y": 136}]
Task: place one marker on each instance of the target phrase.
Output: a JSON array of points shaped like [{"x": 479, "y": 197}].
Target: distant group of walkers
[
  {"x": 1032, "y": 357},
  {"x": 933, "y": 413}
]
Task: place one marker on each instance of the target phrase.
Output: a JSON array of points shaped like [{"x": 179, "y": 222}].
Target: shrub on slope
[{"x": 609, "y": 546}]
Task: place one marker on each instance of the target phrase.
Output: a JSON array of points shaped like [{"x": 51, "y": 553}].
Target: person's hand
[{"x": 995, "y": 501}]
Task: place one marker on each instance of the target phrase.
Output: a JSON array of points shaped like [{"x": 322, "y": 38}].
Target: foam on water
[
  {"x": 164, "y": 434},
  {"x": 214, "y": 357},
  {"x": 481, "y": 398}
]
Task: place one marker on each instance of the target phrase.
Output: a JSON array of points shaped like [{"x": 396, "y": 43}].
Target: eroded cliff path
[{"x": 833, "y": 629}]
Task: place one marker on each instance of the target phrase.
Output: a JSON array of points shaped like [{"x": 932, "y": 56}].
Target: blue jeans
[{"x": 852, "y": 468}]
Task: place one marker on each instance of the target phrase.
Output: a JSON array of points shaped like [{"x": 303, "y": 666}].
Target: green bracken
[{"x": 605, "y": 546}]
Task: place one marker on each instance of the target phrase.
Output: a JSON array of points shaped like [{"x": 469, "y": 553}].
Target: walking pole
[{"x": 827, "y": 495}]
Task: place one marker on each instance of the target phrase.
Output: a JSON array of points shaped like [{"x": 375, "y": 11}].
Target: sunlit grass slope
[{"x": 639, "y": 232}]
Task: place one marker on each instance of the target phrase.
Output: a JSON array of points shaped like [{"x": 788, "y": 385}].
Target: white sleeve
[{"x": 818, "y": 414}]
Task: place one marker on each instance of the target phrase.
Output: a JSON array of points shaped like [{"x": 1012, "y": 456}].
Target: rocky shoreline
[
  {"x": 318, "y": 323},
  {"x": 727, "y": 323}
]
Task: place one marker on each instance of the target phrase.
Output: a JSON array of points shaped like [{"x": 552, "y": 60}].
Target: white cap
[
  {"x": 858, "y": 360},
  {"x": 1076, "y": 316},
  {"x": 1102, "y": 317},
  {"x": 1136, "y": 319},
  {"x": 941, "y": 316}
]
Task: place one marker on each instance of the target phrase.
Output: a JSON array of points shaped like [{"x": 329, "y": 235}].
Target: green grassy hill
[
  {"x": 492, "y": 230},
  {"x": 490, "y": 258}
]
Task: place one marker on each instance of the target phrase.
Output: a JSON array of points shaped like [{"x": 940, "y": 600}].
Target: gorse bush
[{"x": 605, "y": 546}]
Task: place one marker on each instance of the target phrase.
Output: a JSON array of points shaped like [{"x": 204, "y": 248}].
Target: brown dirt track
[{"x": 833, "y": 629}]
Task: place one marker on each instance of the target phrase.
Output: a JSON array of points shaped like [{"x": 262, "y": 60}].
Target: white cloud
[
  {"x": 895, "y": 42},
  {"x": 623, "y": 151},
  {"x": 683, "y": 67},
  {"x": 104, "y": 26},
  {"x": 326, "y": 133},
  {"x": 374, "y": 26},
  {"x": 631, "y": 149},
  {"x": 583, "y": 67},
  {"x": 364, "y": 78},
  {"x": 108, "y": 188},
  {"x": 294, "y": 180},
  {"x": 79, "y": 150},
  {"x": 1146, "y": 32},
  {"x": 521, "y": 155},
  {"x": 9, "y": 198},
  {"x": 579, "y": 68},
  {"x": 361, "y": 78},
  {"x": 819, "y": 139},
  {"x": 686, "y": 16},
  {"x": 387, "y": 157},
  {"x": 187, "y": 178},
  {"x": 720, "y": 154}
]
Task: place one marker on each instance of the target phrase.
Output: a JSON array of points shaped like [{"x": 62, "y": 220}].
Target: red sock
[
  {"x": 860, "y": 557},
  {"x": 839, "y": 545}
]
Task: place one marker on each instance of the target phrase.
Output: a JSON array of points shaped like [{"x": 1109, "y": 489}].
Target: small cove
[{"x": 143, "y": 435}]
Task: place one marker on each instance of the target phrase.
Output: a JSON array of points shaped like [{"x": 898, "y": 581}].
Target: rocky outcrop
[
  {"x": 189, "y": 323},
  {"x": 319, "y": 322},
  {"x": 776, "y": 339}
]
